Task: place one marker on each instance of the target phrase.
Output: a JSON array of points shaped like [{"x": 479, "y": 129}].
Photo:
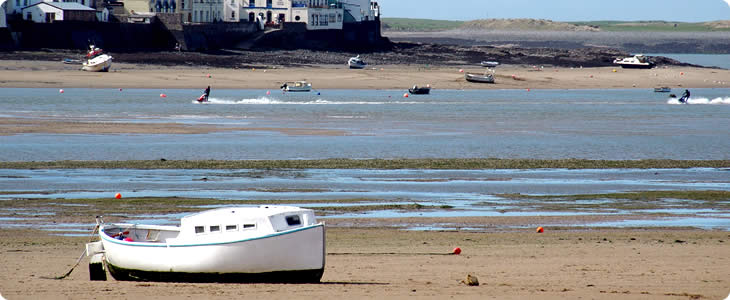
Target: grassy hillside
[
  {"x": 663, "y": 26},
  {"x": 404, "y": 24}
]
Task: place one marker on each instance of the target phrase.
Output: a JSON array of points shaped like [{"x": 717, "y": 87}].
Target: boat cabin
[{"x": 221, "y": 224}]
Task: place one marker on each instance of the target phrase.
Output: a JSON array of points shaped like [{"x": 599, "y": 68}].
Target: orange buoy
[
  {"x": 268, "y": 93},
  {"x": 405, "y": 95},
  {"x": 163, "y": 96},
  {"x": 118, "y": 196},
  {"x": 456, "y": 251},
  {"x": 540, "y": 230},
  {"x": 461, "y": 70},
  {"x": 60, "y": 91}
]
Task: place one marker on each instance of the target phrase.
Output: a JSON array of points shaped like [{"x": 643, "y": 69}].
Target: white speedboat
[
  {"x": 231, "y": 244},
  {"x": 96, "y": 60},
  {"x": 356, "y": 63},
  {"x": 297, "y": 86},
  {"x": 638, "y": 61}
]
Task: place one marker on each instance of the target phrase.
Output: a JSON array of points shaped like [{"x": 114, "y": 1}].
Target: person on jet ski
[
  {"x": 685, "y": 97},
  {"x": 207, "y": 93}
]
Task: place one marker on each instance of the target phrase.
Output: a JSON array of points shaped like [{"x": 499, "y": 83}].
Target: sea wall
[
  {"x": 363, "y": 36},
  {"x": 118, "y": 37},
  {"x": 167, "y": 31}
]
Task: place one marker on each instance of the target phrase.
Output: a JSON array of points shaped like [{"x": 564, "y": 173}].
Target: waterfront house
[{"x": 49, "y": 12}]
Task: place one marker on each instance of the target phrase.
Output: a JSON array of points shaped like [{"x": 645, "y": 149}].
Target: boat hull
[
  {"x": 479, "y": 78},
  {"x": 291, "y": 256},
  {"x": 101, "y": 63},
  {"x": 298, "y": 276},
  {"x": 636, "y": 66},
  {"x": 420, "y": 91}
]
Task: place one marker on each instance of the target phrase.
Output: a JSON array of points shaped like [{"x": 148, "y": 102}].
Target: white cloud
[{"x": 728, "y": 3}]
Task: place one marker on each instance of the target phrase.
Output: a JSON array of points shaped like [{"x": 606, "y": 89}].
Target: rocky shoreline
[{"x": 402, "y": 53}]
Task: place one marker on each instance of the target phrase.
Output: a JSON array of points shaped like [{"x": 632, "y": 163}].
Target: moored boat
[
  {"x": 356, "y": 63},
  {"x": 96, "y": 60},
  {"x": 489, "y": 64},
  {"x": 297, "y": 86},
  {"x": 416, "y": 90},
  {"x": 663, "y": 89},
  {"x": 485, "y": 78},
  {"x": 230, "y": 244},
  {"x": 638, "y": 61}
]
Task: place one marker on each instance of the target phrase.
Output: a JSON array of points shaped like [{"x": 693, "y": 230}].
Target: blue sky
[{"x": 560, "y": 10}]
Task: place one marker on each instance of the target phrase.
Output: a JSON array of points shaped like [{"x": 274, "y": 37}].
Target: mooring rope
[{"x": 78, "y": 261}]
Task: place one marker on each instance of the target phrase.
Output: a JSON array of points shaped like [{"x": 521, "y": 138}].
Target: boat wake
[
  {"x": 716, "y": 101},
  {"x": 274, "y": 101}
]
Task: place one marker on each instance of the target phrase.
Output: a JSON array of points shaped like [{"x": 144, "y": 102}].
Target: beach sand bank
[
  {"x": 47, "y": 74},
  {"x": 385, "y": 263}
]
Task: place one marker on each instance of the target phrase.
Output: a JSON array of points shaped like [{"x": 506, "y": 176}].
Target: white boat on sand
[
  {"x": 232, "y": 244},
  {"x": 356, "y": 63},
  {"x": 96, "y": 60},
  {"x": 638, "y": 61}
]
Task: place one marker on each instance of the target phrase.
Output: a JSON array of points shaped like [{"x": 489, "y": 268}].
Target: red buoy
[{"x": 456, "y": 251}]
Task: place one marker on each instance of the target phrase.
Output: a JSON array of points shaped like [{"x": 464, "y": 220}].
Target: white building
[
  {"x": 206, "y": 11},
  {"x": 3, "y": 14},
  {"x": 317, "y": 14},
  {"x": 49, "y": 12}
]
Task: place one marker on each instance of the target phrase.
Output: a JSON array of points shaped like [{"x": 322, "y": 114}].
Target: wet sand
[
  {"x": 47, "y": 74},
  {"x": 372, "y": 263}
]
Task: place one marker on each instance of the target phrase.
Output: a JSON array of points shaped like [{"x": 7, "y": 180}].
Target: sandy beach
[
  {"x": 49, "y": 74},
  {"x": 370, "y": 258},
  {"x": 371, "y": 263}
]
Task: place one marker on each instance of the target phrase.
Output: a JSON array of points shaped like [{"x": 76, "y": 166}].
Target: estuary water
[{"x": 361, "y": 124}]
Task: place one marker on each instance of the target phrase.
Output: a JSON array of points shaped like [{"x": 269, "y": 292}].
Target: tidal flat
[{"x": 386, "y": 164}]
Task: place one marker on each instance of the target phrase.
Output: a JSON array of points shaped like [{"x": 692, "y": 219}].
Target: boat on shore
[
  {"x": 276, "y": 244},
  {"x": 489, "y": 64},
  {"x": 97, "y": 60},
  {"x": 416, "y": 90},
  {"x": 479, "y": 78},
  {"x": 356, "y": 63},
  {"x": 638, "y": 61},
  {"x": 296, "y": 86}
]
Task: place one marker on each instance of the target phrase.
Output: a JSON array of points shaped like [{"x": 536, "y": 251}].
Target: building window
[
  {"x": 249, "y": 226},
  {"x": 215, "y": 228},
  {"x": 231, "y": 227},
  {"x": 199, "y": 229}
]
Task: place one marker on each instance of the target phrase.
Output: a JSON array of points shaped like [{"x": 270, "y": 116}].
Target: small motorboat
[
  {"x": 276, "y": 244},
  {"x": 96, "y": 60},
  {"x": 356, "y": 63},
  {"x": 489, "y": 64},
  {"x": 297, "y": 86},
  {"x": 416, "y": 90},
  {"x": 485, "y": 78},
  {"x": 663, "y": 89},
  {"x": 638, "y": 61}
]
